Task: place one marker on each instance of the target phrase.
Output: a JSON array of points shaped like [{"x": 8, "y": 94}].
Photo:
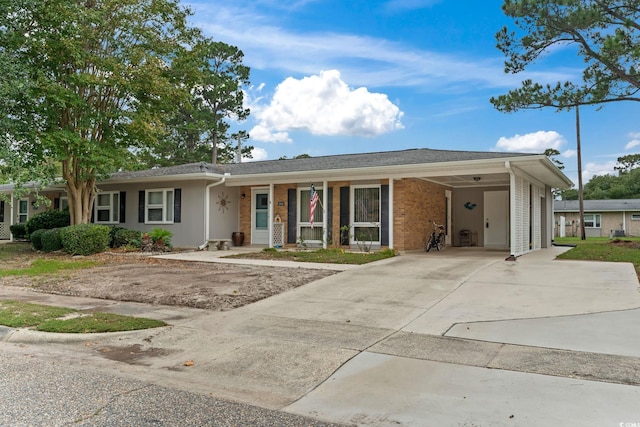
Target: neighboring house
[
  {"x": 494, "y": 200},
  {"x": 602, "y": 218}
]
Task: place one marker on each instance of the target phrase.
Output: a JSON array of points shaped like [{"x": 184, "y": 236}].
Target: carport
[{"x": 500, "y": 204}]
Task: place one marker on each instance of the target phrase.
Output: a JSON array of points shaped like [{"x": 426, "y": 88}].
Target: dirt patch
[
  {"x": 213, "y": 286},
  {"x": 633, "y": 244}
]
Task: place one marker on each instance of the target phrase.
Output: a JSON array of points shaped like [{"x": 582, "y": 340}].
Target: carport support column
[
  {"x": 270, "y": 221},
  {"x": 390, "y": 213},
  {"x": 325, "y": 217},
  {"x": 512, "y": 209}
]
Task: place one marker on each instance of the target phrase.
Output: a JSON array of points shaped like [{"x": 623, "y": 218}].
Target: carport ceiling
[{"x": 475, "y": 180}]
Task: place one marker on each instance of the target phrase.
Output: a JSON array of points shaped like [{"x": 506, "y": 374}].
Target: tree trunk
[
  {"x": 214, "y": 154},
  {"x": 80, "y": 194}
]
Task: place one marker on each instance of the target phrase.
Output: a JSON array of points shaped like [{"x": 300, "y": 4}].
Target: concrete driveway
[{"x": 460, "y": 337}]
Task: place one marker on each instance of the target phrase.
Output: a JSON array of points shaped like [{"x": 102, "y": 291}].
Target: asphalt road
[{"x": 38, "y": 390}]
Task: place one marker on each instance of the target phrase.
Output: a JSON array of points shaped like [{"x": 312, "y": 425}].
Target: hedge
[
  {"x": 85, "y": 239},
  {"x": 47, "y": 220},
  {"x": 51, "y": 240}
]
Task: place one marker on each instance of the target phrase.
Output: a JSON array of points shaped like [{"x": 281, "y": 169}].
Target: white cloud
[
  {"x": 406, "y": 5},
  {"x": 569, "y": 153},
  {"x": 592, "y": 169},
  {"x": 536, "y": 142},
  {"x": 325, "y": 105},
  {"x": 258, "y": 154},
  {"x": 264, "y": 134},
  {"x": 635, "y": 141},
  {"x": 363, "y": 60}
]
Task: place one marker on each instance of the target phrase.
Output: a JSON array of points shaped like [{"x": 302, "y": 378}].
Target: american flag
[{"x": 312, "y": 204}]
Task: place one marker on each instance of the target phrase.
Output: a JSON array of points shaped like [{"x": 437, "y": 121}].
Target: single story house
[
  {"x": 389, "y": 199},
  {"x": 602, "y": 218}
]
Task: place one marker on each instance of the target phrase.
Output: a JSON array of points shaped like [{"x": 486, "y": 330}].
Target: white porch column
[
  {"x": 390, "y": 213},
  {"x": 325, "y": 203},
  {"x": 270, "y": 221},
  {"x": 11, "y": 219}
]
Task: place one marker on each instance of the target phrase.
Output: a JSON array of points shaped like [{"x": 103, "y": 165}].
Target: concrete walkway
[{"x": 459, "y": 337}]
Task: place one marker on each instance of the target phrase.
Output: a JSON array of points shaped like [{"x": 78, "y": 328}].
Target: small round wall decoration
[{"x": 223, "y": 202}]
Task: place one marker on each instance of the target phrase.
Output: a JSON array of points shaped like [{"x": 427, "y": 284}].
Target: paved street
[{"x": 55, "y": 390}]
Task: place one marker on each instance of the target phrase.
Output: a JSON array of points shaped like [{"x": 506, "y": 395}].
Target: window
[
  {"x": 23, "y": 210},
  {"x": 635, "y": 217},
  {"x": 64, "y": 203},
  {"x": 159, "y": 206},
  {"x": 592, "y": 220},
  {"x": 106, "y": 208},
  {"x": 305, "y": 231},
  {"x": 365, "y": 221}
]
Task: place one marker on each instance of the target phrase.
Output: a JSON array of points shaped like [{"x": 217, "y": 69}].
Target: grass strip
[
  {"x": 18, "y": 314},
  {"x": 603, "y": 249},
  {"x": 99, "y": 322},
  {"x": 47, "y": 266},
  {"x": 327, "y": 256}
]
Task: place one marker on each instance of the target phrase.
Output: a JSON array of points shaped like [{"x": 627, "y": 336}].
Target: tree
[
  {"x": 570, "y": 194},
  {"x": 101, "y": 84},
  {"x": 606, "y": 34},
  {"x": 219, "y": 86},
  {"x": 623, "y": 186},
  {"x": 627, "y": 163},
  {"x": 551, "y": 153},
  {"x": 213, "y": 75}
]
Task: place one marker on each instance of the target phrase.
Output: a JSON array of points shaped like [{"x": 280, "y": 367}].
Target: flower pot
[{"x": 237, "y": 237}]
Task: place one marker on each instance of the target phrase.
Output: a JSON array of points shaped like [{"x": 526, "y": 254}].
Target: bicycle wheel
[
  {"x": 441, "y": 241},
  {"x": 428, "y": 248}
]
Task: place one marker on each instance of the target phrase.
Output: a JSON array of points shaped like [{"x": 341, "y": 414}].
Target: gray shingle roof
[
  {"x": 597, "y": 205},
  {"x": 342, "y": 161},
  {"x": 362, "y": 160},
  {"x": 186, "y": 169}
]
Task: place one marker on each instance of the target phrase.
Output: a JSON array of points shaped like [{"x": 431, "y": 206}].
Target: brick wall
[{"x": 416, "y": 203}]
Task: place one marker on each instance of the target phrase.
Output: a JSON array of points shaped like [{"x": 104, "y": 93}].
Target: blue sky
[{"x": 332, "y": 77}]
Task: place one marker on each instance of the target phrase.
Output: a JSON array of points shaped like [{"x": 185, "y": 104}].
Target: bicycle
[{"x": 437, "y": 238}]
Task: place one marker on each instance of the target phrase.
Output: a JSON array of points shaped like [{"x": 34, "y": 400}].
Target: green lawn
[
  {"x": 18, "y": 314},
  {"x": 625, "y": 249},
  {"x": 330, "y": 256},
  {"x": 46, "y": 266}
]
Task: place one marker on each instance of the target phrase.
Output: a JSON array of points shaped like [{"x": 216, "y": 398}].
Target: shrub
[
  {"x": 126, "y": 237},
  {"x": 161, "y": 237},
  {"x": 36, "y": 239},
  {"x": 112, "y": 235},
  {"x": 159, "y": 240},
  {"x": 85, "y": 239},
  {"x": 19, "y": 231},
  {"x": 51, "y": 240},
  {"x": 47, "y": 220}
]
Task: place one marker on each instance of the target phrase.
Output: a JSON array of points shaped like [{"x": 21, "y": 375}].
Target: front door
[
  {"x": 496, "y": 219},
  {"x": 260, "y": 217}
]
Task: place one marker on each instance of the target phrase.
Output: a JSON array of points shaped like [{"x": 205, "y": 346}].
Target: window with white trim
[
  {"x": 308, "y": 234},
  {"x": 64, "y": 203},
  {"x": 366, "y": 213},
  {"x": 592, "y": 220},
  {"x": 106, "y": 207},
  {"x": 159, "y": 206},
  {"x": 635, "y": 217}
]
